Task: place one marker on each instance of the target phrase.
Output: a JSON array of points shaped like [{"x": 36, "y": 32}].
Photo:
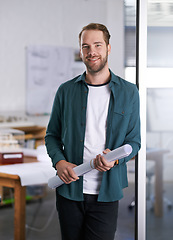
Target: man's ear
[{"x": 109, "y": 49}]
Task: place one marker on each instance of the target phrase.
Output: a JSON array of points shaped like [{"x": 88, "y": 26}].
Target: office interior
[{"x": 31, "y": 32}]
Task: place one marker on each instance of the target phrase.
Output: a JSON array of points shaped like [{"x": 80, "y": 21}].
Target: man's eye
[
  {"x": 84, "y": 47},
  {"x": 98, "y": 45}
]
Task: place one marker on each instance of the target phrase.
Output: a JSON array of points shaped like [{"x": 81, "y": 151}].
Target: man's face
[{"x": 94, "y": 51}]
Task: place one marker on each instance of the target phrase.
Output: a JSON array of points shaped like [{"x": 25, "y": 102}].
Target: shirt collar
[
  {"x": 114, "y": 78},
  {"x": 81, "y": 78}
]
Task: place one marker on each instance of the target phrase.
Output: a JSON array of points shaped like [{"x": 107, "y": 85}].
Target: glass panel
[
  {"x": 159, "y": 164},
  {"x": 126, "y": 219}
]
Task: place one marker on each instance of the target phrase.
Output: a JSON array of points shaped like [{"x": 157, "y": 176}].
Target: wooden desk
[{"x": 13, "y": 181}]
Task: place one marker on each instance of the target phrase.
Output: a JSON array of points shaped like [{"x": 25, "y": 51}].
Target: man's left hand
[{"x": 101, "y": 164}]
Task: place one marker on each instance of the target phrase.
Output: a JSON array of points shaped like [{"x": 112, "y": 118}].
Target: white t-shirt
[{"x": 95, "y": 133}]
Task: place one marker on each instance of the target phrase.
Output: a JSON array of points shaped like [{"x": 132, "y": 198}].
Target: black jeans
[{"x": 87, "y": 220}]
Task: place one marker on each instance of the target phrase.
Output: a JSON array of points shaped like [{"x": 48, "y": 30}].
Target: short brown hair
[{"x": 98, "y": 27}]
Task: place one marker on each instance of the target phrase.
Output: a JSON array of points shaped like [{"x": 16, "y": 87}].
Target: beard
[{"x": 95, "y": 68}]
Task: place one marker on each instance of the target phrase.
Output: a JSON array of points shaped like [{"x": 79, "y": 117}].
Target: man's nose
[{"x": 91, "y": 51}]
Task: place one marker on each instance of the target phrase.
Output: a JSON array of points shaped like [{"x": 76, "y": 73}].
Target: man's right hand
[{"x": 65, "y": 171}]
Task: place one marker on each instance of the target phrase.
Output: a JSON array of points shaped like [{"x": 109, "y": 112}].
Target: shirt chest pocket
[
  {"x": 121, "y": 118},
  {"x": 123, "y": 112}
]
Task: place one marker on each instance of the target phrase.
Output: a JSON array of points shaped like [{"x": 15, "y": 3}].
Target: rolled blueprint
[{"x": 83, "y": 168}]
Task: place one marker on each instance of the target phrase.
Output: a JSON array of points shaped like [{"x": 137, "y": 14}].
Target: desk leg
[
  {"x": 19, "y": 214},
  {"x": 158, "y": 208},
  {"x": 1, "y": 194}
]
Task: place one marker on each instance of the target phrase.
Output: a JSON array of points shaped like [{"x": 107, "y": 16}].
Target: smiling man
[
  {"x": 94, "y": 51},
  {"x": 93, "y": 113}
]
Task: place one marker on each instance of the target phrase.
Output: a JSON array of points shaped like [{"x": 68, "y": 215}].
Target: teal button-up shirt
[{"x": 66, "y": 132}]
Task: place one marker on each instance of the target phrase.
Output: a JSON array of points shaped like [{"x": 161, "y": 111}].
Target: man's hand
[
  {"x": 65, "y": 171},
  {"x": 101, "y": 164}
]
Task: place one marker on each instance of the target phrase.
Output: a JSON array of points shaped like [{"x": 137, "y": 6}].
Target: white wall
[{"x": 49, "y": 22}]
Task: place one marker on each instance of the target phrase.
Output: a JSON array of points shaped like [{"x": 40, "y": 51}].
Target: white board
[{"x": 46, "y": 68}]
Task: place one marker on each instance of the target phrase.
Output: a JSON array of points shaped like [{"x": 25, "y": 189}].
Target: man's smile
[{"x": 93, "y": 59}]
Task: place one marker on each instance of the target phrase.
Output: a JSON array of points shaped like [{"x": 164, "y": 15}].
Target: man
[{"x": 93, "y": 113}]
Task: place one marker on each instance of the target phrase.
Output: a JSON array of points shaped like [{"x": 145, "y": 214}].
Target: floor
[{"x": 42, "y": 220}]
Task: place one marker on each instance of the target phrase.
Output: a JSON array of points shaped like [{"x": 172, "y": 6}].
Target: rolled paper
[{"x": 83, "y": 168}]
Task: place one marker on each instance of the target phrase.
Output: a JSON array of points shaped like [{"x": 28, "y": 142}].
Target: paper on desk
[
  {"x": 30, "y": 173},
  {"x": 35, "y": 172},
  {"x": 42, "y": 155}
]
